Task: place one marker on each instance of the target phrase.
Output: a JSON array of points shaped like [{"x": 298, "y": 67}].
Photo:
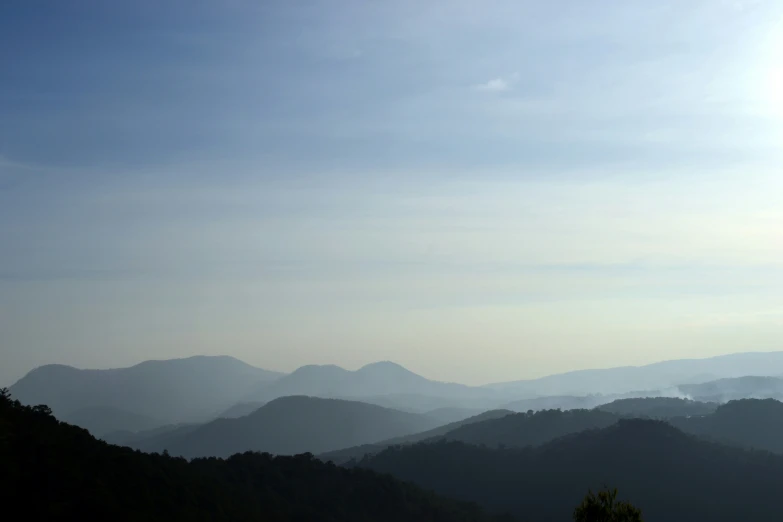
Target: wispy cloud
[{"x": 499, "y": 84}]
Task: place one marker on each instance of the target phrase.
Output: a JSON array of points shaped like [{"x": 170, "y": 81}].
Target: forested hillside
[{"x": 57, "y": 472}]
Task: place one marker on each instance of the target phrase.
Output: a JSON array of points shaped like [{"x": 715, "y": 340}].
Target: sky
[{"x": 481, "y": 191}]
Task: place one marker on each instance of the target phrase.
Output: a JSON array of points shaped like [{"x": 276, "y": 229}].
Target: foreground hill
[
  {"x": 291, "y": 425},
  {"x": 342, "y": 456},
  {"x": 180, "y": 390},
  {"x": 671, "y": 476},
  {"x": 56, "y": 472},
  {"x": 657, "y": 376},
  {"x": 384, "y": 383}
]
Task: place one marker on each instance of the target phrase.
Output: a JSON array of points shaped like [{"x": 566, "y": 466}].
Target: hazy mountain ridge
[
  {"x": 656, "y": 376},
  {"x": 385, "y": 383},
  {"x": 291, "y": 425},
  {"x": 199, "y": 389},
  {"x": 177, "y": 390}
]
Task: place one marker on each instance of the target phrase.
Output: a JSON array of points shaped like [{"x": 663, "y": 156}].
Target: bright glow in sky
[{"x": 480, "y": 191}]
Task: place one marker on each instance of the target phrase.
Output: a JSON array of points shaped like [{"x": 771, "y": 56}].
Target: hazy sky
[{"x": 480, "y": 191}]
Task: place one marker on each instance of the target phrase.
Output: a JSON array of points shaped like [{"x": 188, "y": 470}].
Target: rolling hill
[
  {"x": 291, "y": 425},
  {"x": 180, "y": 390}
]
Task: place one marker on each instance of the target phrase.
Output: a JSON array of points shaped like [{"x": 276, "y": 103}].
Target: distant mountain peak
[
  {"x": 319, "y": 368},
  {"x": 384, "y": 365},
  {"x": 51, "y": 368},
  {"x": 171, "y": 391}
]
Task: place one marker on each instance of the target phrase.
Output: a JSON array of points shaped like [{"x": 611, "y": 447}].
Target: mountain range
[{"x": 154, "y": 394}]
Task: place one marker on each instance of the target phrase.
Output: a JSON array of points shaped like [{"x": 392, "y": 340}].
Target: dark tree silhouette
[{"x": 604, "y": 507}]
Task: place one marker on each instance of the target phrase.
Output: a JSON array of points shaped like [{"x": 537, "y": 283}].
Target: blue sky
[{"x": 478, "y": 190}]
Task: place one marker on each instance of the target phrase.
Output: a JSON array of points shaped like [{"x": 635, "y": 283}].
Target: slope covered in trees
[
  {"x": 57, "y": 472},
  {"x": 670, "y": 475}
]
